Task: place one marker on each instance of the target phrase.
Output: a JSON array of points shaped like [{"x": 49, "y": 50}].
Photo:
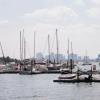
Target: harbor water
[{"x": 42, "y": 87}]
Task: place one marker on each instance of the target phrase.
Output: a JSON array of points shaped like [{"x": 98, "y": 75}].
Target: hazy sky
[{"x": 78, "y": 20}]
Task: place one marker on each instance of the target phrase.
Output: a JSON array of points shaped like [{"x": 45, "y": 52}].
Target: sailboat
[
  {"x": 3, "y": 66},
  {"x": 58, "y": 63},
  {"x": 54, "y": 65},
  {"x": 7, "y": 67},
  {"x": 49, "y": 64},
  {"x": 66, "y": 73},
  {"x": 25, "y": 68},
  {"x": 24, "y": 64},
  {"x": 36, "y": 69},
  {"x": 65, "y": 68}
]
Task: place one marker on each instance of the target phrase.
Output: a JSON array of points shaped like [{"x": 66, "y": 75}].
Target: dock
[
  {"x": 75, "y": 81},
  {"x": 9, "y": 72}
]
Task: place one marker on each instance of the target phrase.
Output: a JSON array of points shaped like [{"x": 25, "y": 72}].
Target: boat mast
[
  {"x": 20, "y": 50},
  {"x": 71, "y": 60},
  {"x": 23, "y": 45},
  {"x": 49, "y": 47},
  {"x": 68, "y": 54},
  {"x": 20, "y": 46},
  {"x": 33, "y": 62},
  {"x": 57, "y": 45},
  {"x": 71, "y": 51},
  {"x": 34, "y": 44},
  {"x": 2, "y": 52}
]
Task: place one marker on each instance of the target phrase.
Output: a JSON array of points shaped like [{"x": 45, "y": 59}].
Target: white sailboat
[{"x": 66, "y": 73}]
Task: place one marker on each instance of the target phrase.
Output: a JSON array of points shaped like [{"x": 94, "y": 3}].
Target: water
[{"x": 42, "y": 87}]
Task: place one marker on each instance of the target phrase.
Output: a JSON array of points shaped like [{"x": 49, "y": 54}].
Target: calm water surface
[{"x": 41, "y": 87}]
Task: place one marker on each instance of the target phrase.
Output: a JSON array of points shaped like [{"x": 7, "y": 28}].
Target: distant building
[
  {"x": 79, "y": 58},
  {"x": 53, "y": 57},
  {"x": 73, "y": 56},
  {"x": 86, "y": 59},
  {"x": 98, "y": 58}
]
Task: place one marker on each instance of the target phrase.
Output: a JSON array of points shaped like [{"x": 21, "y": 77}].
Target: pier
[{"x": 76, "y": 81}]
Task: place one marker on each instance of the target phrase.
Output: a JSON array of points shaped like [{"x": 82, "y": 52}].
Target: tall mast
[
  {"x": 20, "y": 46},
  {"x": 57, "y": 45},
  {"x": 2, "y": 52},
  {"x": 49, "y": 47},
  {"x": 68, "y": 53},
  {"x": 72, "y": 59},
  {"x": 34, "y": 44},
  {"x": 71, "y": 51}
]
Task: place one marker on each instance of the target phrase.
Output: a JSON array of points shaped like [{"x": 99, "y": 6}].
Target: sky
[{"x": 76, "y": 20}]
